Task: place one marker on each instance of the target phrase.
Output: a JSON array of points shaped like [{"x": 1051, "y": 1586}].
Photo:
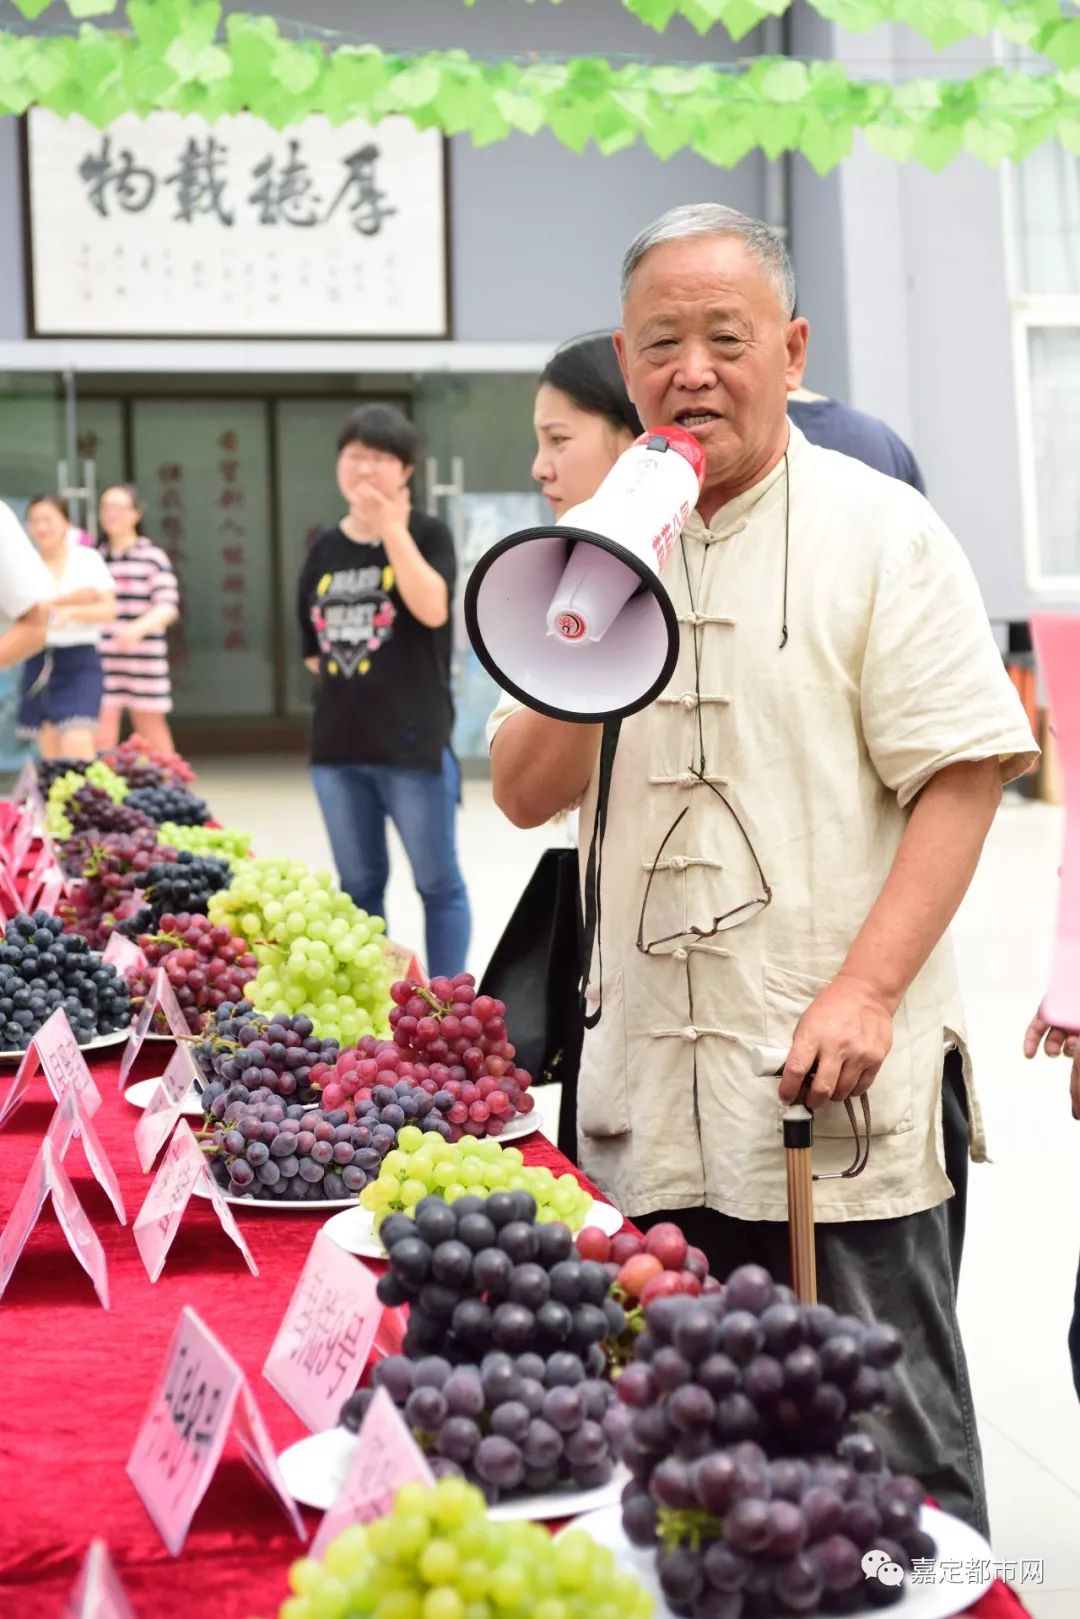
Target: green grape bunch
[
  {"x": 439, "y": 1555},
  {"x": 317, "y": 952}
]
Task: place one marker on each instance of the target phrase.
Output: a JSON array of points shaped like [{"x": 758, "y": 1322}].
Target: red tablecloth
[{"x": 77, "y": 1380}]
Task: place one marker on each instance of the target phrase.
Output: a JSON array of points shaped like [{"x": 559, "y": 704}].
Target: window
[{"x": 1044, "y": 193}]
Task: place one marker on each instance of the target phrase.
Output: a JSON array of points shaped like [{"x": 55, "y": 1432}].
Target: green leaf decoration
[{"x": 183, "y": 55}]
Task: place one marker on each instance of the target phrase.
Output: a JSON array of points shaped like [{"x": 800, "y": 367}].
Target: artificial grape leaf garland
[{"x": 180, "y": 55}]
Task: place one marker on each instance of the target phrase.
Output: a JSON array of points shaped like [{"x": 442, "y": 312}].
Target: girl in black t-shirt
[{"x": 374, "y": 608}]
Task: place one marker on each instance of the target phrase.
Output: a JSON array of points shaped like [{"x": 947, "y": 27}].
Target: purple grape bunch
[{"x": 751, "y": 1477}]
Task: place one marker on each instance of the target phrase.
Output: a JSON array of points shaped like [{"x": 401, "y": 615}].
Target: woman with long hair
[
  {"x": 133, "y": 650},
  {"x": 583, "y": 418},
  {"x": 61, "y": 685}
]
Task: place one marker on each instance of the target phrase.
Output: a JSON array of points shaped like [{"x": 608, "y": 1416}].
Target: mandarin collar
[{"x": 734, "y": 515}]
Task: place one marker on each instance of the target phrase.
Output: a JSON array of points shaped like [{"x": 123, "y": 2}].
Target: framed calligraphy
[{"x": 174, "y": 227}]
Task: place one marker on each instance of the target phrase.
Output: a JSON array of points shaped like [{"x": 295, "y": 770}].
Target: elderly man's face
[{"x": 705, "y": 344}]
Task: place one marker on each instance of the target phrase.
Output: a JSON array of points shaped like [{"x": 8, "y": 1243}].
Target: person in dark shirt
[
  {"x": 374, "y": 608},
  {"x": 836, "y": 426}
]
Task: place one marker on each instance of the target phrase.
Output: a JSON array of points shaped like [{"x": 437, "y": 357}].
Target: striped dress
[{"x": 139, "y": 678}]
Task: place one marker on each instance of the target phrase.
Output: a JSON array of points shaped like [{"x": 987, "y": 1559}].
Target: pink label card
[
  {"x": 182, "y": 1169},
  {"x": 47, "y": 1178},
  {"x": 8, "y": 892},
  {"x": 185, "y": 1428},
  {"x": 70, "y": 1121},
  {"x": 159, "y": 1119},
  {"x": 326, "y": 1334},
  {"x": 165, "y": 1105},
  {"x": 403, "y": 962},
  {"x": 123, "y": 954},
  {"x": 52, "y": 891},
  {"x": 98, "y": 1593},
  {"x": 24, "y": 782},
  {"x": 57, "y": 1050},
  {"x": 23, "y": 1217},
  {"x": 71, "y": 1216},
  {"x": 160, "y": 996},
  {"x": 386, "y": 1456},
  {"x": 254, "y": 1440},
  {"x": 181, "y": 1074}
]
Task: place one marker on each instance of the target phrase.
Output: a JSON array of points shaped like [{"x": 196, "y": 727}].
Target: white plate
[
  {"x": 313, "y": 1470},
  {"x": 140, "y": 1093},
  {"x": 100, "y": 1042},
  {"x": 355, "y": 1230},
  {"x": 522, "y": 1124},
  {"x": 269, "y": 1204},
  {"x": 957, "y": 1543}
]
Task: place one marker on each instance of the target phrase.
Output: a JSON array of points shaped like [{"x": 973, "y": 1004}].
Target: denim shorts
[{"x": 60, "y": 686}]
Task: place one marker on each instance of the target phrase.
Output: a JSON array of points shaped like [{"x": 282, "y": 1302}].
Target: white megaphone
[{"x": 572, "y": 619}]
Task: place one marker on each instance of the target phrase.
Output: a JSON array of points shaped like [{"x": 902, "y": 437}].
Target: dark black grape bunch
[
  {"x": 169, "y": 802},
  {"x": 182, "y": 885},
  {"x": 42, "y": 969},
  {"x": 482, "y": 1274},
  {"x": 751, "y": 1476},
  {"x": 508, "y": 1423}
]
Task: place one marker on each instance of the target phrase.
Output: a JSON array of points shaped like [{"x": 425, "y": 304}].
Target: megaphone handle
[{"x": 594, "y": 871}]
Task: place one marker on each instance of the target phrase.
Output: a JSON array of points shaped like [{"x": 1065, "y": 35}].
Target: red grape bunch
[
  {"x": 108, "y": 892},
  {"x": 142, "y": 766},
  {"x": 205, "y": 965},
  {"x": 449, "y": 1042},
  {"x": 750, "y": 1475}
]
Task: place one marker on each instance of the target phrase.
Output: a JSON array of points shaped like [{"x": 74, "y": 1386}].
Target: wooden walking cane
[{"x": 798, "y": 1131}]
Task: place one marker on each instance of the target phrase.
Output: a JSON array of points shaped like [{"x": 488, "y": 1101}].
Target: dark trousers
[{"x": 902, "y": 1271}]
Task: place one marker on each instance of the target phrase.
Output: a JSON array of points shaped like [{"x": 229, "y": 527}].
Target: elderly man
[{"x": 791, "y": 827}]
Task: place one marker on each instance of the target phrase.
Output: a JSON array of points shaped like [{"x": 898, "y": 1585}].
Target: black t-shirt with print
[{"x": 383, "y": 695}]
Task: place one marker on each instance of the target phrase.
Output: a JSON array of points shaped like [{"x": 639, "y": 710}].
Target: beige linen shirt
[{"x": 889, "y": 674}]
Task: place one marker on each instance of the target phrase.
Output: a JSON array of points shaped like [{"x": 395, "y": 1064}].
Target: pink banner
[
  {"x": 385, "y": 1457},
  {"x": 182, "y": 1169},
  {"x": 70, "y": 1121},
  {"x": 323, "y": 1343},
  {"x": 160, "y": 997},
  {"x": 1057, "y": 650},
  {"x": 47, "y": 1178},
  {"x": 187, "y": 1423},
  {"x": 98, "y": 1593}
]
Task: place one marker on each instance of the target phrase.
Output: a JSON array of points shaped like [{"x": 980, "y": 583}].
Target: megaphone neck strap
[{"x": 592, "y": 931}]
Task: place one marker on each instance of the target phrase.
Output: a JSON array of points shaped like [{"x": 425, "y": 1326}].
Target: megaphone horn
[{"x": 572, "y": 618}]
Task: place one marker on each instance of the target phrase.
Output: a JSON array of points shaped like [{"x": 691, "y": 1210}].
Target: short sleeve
[
  {"x": 305, "y": 587},
  {"x": 164, "y": 591},
  {"x": 934, "y": 689},
  {"x": 24, "y": 579},
  {"x": 507, "y": 707},
  {"x": 436, "y": 545},
  {"x": 95, "y": 570}
]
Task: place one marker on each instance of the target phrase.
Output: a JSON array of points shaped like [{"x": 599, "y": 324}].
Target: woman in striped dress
[{"x": 133, "y": 652}]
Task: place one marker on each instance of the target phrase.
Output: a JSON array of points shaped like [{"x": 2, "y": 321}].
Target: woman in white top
[{"x": 61, "y": 686}]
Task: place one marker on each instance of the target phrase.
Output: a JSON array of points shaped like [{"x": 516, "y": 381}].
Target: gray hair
[{"x": 713, "y": 219}]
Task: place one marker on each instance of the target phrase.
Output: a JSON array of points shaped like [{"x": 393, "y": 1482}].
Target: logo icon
[
  {"x": 878, "y": 1565},
  {"x": 571, "y": 626}
]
